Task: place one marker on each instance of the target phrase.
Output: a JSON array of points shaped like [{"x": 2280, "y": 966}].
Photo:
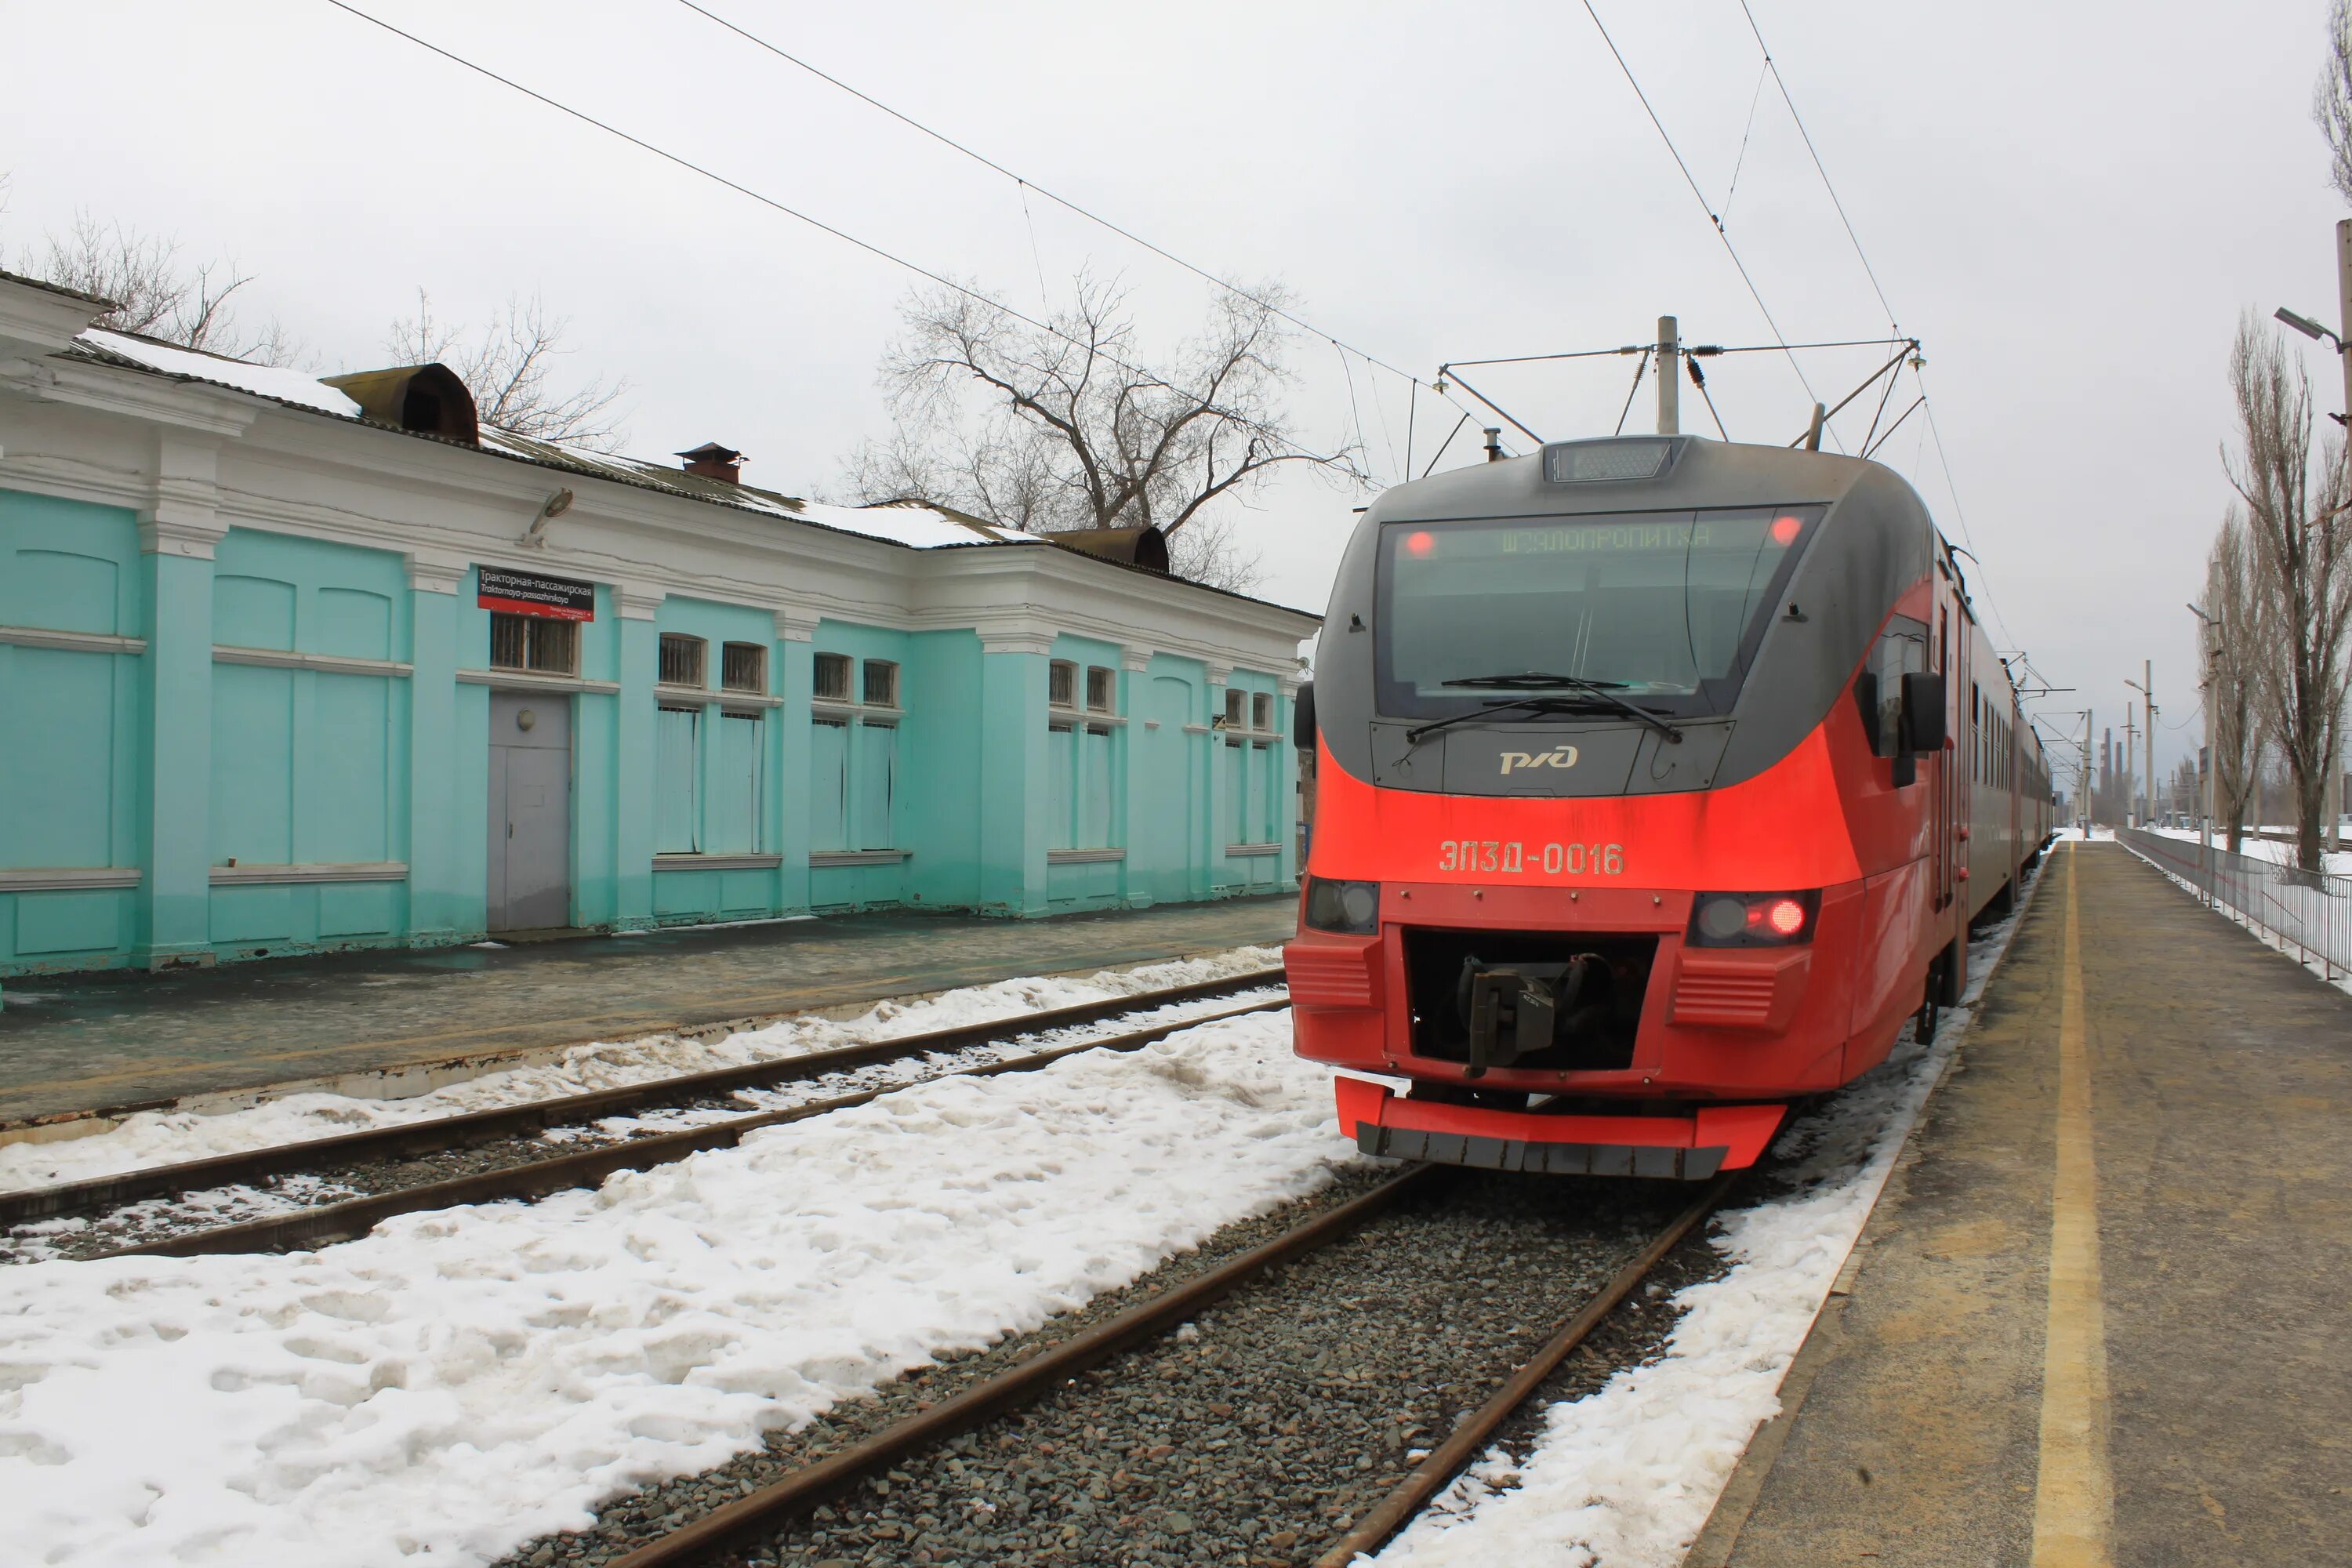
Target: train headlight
[
  {"x": 1753, "y": 920},
  {"x": 1343, "y": 908}
]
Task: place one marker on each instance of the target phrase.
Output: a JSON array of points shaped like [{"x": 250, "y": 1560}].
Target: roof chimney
[{"x": 713, "y": 461}]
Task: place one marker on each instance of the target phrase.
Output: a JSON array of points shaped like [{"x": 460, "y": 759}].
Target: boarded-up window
[
  {"x": 676, "y": 739},
  {"x": 876, "y": 776},
  {"x": 1231, "y": 792},
  {"x": 829, "y": 784},
  {"x": 735, "y": 788},
  {"x": 1062, "y": 776},
  {"x": 1094, "y": 788}
]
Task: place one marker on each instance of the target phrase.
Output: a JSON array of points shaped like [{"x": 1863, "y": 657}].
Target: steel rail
[
  {"x": 537, "y": 1178},
  {"x": 1018, "y": 1385},
  {"x": 410, "y": 1138},
  {"x": 1371, "y": 1531}
]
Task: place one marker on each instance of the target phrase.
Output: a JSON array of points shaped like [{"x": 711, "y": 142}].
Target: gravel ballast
[{"x": 1251, "y": 1436}]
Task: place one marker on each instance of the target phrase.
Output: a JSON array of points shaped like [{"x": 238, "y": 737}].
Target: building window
[
  {"x": 881, "y": 686},
  {"x": 676, "y": 757},
  {"x": 1262, "y": 710},
  {"x": 530, "y": 642},
  {"x": 1234, "y": 701},
  {"x": 833, "y": 678},
  {"x": 1078, "y": 777},
  {"x": 1061, "y": 684},
  {"x": 681, "y": 660},
  {"x": 1102, "y": 689},
  {"x": 743, "y": 667}
]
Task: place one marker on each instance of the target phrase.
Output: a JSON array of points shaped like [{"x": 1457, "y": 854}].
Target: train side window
[{"x": 1901, "y": 649}]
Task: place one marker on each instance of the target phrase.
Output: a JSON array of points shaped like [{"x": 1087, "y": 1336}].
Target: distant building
[{"x": 287, "y": 666}]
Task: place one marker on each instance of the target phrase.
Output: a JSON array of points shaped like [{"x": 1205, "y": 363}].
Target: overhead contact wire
[{"x": 1714, "y": 218}]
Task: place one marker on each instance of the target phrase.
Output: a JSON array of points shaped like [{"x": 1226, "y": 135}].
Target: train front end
[{"x": 1618, "y": 844}]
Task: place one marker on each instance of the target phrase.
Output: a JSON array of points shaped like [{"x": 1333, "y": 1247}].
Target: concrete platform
[
  {"x": 2104, "y": 1314},
  {"x": 74, "y": 1046}
]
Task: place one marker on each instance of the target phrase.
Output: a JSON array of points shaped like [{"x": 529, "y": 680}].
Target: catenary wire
[
  {"x": 1773, "y": 65},
  {"x": 1700, "y": 196},
  {"x": 819, "y": 224}
]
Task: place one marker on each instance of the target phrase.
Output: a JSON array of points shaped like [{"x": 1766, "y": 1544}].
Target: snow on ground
[
  {"x": 459, "y": 1383},
  {"x": 168, "y": 1137},
  {"x": 1627, "y": 1476},
  {"x": 2276, "y": 851}
]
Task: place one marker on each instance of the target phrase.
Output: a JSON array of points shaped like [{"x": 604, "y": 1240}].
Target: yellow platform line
[{"x": 2074, "y": 1500}]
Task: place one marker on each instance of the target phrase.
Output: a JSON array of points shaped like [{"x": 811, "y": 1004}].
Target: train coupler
[{"x": 1516, "y": 1010}]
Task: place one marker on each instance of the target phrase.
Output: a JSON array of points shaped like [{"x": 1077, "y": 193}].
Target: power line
[
  {"x": 1712, "y": 217},
  {"x": 687, "y": 163},
  {"x": 1027, "y": 184}
]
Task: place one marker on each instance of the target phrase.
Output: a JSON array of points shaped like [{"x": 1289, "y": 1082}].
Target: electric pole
[
  {"x": 1669, "y": 381},
  {"x": 2131, "y": 763},
  {"x": 2147, "y": 691}
]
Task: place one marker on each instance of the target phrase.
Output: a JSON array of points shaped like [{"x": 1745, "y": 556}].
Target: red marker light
[
  {"x": 1785, "y": 530},
  {"x": 1421, "y": 544},
  {"x": 1785, "y": 916}
]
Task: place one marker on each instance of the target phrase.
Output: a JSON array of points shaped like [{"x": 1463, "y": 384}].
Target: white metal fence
[{"x": 2310, "y": 912}]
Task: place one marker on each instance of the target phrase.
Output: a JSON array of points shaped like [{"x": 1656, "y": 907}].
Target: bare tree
[
  {"x": 2240, "y": 645},
  {"x": 2302, "y": 547},
  {"x": 1062, "y": 428},
  {"x": 508, "y": 367},
  {"x": 2331, "y": 99},
  {"x": 155, "y": 294}
]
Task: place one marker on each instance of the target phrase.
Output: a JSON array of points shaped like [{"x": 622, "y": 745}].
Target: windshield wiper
[
  {"x": 1535, "y": 705},
  {"x": 1603, "y": 692}
]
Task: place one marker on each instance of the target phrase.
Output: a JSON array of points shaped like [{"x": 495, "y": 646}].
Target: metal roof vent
[
  {"x": 1144, "y": 547},
  {"x": 428, "y": 399},
  {"x": 713, "y": 461}
]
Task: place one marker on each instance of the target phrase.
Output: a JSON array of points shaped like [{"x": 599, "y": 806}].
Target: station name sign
[{"x": 524, "y": 594}]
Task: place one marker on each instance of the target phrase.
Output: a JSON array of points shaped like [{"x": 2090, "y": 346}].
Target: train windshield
[{"x": 1664, "y": 609}]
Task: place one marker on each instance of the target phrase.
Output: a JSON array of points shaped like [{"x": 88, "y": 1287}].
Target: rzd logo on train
[{"x": 1564, "y": 757}]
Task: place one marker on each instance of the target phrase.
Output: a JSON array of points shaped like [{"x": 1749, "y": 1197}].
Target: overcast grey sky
[{"x": 2070, "y": 204}]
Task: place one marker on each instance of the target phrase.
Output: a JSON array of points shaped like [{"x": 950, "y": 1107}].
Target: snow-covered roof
[
  {"x": 192, "y": 364},
  {"x": 912, "y": 524}
]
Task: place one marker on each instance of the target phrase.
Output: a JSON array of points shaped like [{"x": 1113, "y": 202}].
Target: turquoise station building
[{"x": 291, "y": 666}]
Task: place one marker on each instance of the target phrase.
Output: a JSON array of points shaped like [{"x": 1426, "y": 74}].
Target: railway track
[
  {"x": 504, "y": 1152},
  {"x": 1292, "y": 1402}
]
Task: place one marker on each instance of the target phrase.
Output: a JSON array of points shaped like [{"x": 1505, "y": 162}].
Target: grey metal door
[{"x": 531, "y": 811}]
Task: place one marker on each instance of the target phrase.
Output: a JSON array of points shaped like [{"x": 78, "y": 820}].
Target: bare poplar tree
[
  {"x": 509, "y": 366},
  {"x": 2302, "y": 547},
  {"x": 2331, "y": 100},
  {"x": 157, "y": 295},
  {"x": 2241, "y": 657},
  {"x": 1063, "y": 428}
]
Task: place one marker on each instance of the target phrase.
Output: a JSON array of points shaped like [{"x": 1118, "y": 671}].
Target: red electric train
[{"x": 1656, "y": 781}]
